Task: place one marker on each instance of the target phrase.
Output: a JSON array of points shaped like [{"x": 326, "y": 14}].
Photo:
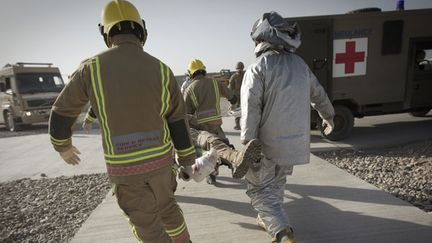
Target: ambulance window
[{"x": 392, "y": 37}]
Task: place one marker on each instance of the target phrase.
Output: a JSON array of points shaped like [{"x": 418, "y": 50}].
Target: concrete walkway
[{"x": 325, "y": 204}]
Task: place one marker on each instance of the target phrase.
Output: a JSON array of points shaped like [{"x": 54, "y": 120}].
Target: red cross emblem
[{"x": 350, "y": 57}]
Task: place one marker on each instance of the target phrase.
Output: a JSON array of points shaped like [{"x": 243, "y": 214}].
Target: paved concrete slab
[
  {"x": 325, "y": 204},
  {"x": 30, "y": 156}
]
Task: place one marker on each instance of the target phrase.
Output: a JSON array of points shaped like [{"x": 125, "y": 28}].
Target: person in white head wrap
[{"x": 276, "y": 95}]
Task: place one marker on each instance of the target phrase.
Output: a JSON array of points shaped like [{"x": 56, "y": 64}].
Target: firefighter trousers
[{"x": 150, "y": 205}]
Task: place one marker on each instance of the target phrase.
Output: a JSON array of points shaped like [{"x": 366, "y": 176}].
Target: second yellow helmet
[{"x": 195, "y": 65}]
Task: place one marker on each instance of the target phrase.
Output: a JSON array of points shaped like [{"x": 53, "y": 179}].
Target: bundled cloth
[{"x": 206, "y": 164}]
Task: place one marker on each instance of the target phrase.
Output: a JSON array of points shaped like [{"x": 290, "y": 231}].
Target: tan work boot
[
  {"x": 241, "y": 160},
  {"x": 284, "y": 236}
]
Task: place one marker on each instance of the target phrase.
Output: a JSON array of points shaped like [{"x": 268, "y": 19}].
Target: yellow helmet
[
  {"x": 195, "y": 65},
  {"x": 117, "y": 11}
]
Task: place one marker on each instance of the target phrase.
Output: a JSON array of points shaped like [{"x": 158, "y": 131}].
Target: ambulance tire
[
  {"x": 420, "y": 113},
  {"x": 11, "y": 125},
  {"x": 343, "y": 121}
]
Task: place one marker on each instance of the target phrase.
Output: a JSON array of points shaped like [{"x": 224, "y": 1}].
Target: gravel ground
[
  {"x": 48, "y": 209},
  {"x": 404, "y": 171}
]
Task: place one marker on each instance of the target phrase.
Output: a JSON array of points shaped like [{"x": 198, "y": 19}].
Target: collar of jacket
[
  {"x": 199, "y": 77},
  {"x": 125, "y": 39}
]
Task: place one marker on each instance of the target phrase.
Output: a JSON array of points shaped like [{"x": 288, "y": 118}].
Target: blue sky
[{"x": 217, "y": 32}]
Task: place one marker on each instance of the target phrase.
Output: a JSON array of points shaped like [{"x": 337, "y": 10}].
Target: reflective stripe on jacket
[
  {"x": 202, "y": 99},
  {"x": 138, "y": 104},
  {"x": 276, "y": 96}
]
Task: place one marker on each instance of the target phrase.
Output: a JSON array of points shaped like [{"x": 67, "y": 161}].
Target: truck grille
[{"x": 42, "y": 102}]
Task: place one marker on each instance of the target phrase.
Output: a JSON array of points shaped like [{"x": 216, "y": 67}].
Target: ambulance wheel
[
  {"x": 343, "y": 121},
  {"x": 420, "y": 113},
  {"x": 10, "y": 122}
]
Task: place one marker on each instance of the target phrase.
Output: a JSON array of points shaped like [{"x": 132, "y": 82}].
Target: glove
[
  {"x": 70, "y": 156},
  {"x": 328, "y": 126}
]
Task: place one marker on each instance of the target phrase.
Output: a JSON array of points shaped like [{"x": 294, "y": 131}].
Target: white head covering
[{"x": 276, "y": 31}]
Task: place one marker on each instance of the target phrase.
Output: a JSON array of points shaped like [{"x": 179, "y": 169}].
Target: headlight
[{"x": 28, "y": 113}]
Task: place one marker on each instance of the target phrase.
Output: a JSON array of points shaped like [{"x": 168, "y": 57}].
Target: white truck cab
[{"x": 27, "y": 92}]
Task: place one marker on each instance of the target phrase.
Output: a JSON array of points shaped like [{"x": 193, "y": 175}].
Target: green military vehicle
[
  {"x": 370, "y": 63},
  {"x": 27, "y": 92}
]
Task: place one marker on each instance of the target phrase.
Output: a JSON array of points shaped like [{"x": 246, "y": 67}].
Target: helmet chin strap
[{"x": 107, "y": 39}]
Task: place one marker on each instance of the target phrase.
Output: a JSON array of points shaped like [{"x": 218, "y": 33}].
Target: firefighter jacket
[
  {"x": 138, "y": 104},
  {"x": 276, "y": 96},
  {"x": 202, "y": 99}
]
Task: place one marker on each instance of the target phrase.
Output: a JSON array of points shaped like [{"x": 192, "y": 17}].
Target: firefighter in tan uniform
[
  {"x": 142, "y": 116},
  {"x": 235, "y": 83},
  {"x": 202, "y": 98}
]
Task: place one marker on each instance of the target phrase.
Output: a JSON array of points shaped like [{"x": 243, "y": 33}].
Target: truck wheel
[
  {"x": 420, "y": 113},
  {"x": 10, "y": 122},
  {"x": 343, "y": 121}
]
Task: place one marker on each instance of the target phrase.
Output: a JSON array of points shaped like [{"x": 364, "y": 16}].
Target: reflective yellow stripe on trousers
[{"x": 177, "y": 231}]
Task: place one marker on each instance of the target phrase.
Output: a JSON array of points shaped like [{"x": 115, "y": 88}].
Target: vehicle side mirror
[{"x": 2, "y": 87}]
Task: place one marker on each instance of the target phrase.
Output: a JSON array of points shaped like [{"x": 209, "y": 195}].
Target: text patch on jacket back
[{"x": 136, "y": 141}]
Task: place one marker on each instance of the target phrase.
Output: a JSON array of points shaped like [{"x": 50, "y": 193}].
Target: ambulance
[{"x": 370, "y": 62}]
